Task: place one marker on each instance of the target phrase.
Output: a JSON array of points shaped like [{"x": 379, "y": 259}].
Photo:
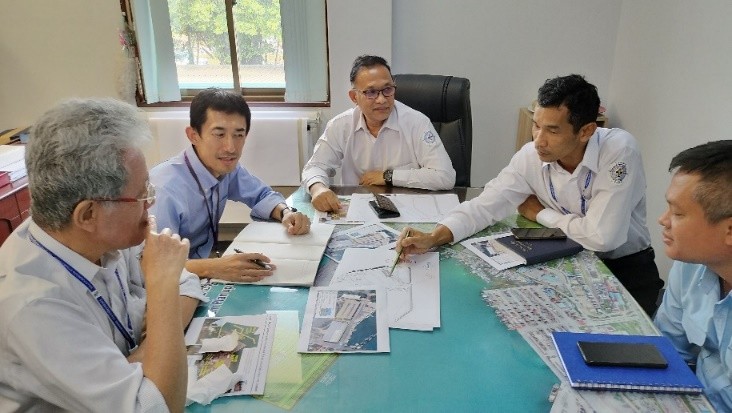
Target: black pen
[{"x": 256, "y": 261}]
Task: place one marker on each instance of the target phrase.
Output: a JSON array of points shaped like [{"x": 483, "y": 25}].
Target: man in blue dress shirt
[
  {"x": 193, "y": 187},
  {"x": 697, "y": 230}
]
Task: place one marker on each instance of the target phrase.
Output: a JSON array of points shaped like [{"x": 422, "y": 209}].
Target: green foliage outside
[{"x": 200, "y": 35}]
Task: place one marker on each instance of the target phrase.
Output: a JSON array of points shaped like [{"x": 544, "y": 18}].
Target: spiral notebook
[{"x": 676, "y": 378}]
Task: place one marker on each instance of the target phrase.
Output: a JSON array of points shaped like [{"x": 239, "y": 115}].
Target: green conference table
[{"x": 472, "y": 363}]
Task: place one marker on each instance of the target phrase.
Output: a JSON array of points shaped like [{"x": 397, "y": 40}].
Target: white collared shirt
[
  {"x": 56, "y": 342},
  {"x": 601, "y": 205},
  {"x": 407, "y": 144}
]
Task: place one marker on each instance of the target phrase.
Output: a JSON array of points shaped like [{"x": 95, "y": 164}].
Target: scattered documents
[
  {"x": 296, "y": 256},
  {"x": 413, "y": 208},
  {"x": 344, "y": 320},
  {"x": 371, "y": 236},
  {"x": 412, "y": 290},
  {"x": 247, "y": 363}
]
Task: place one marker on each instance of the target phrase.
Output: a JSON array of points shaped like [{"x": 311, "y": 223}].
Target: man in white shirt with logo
[
  {"x": 587, "y": 181},
  {"x": 379, "y": 142}
]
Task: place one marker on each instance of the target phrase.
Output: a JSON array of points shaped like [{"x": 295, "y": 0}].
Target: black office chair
[{"x": 446, "y": 101}]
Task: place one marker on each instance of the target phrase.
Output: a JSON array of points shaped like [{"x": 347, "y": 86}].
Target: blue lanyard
[
  {"x": 213, "y": 219},
  {"x": 126, "y": 333},
  {"x": 583, "y": 200}
]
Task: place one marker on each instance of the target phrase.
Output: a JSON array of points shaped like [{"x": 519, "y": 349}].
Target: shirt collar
[{"x": 204, "y": 176}]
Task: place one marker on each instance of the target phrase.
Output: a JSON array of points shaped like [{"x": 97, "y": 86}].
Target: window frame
[{"x": 256, "y": 97}]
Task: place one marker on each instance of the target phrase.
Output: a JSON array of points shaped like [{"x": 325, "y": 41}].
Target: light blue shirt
[
  {"x": 180, "y": 206},
  {"x": 699, "y": 324}
]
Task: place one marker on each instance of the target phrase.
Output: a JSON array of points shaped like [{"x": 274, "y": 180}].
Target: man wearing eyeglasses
[
  {"x": 89, "y": 319},
  {"x": 381, "y": 141}
]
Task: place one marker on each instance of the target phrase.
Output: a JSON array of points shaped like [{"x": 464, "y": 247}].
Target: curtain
[
  {"x": 155, "y": 45},
  {"x": 304, "y": 49}
]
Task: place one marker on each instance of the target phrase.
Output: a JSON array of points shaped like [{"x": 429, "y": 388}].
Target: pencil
[{"x": 398, "y": 252}]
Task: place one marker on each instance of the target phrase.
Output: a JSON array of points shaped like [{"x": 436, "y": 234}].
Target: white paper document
[
  {"x": 493, "y": 252},
  {"x": 376, "y": 235},
  {"x": 412, "y": 207},
  {"x": 345, "y": 320},
  {"x": 248, "y": 361},
  {"x": 295, "y": 256},
  {"x": 412, "y": 290}
]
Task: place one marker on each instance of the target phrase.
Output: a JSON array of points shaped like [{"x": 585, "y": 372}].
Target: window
[{"x": 278, "y": 46}]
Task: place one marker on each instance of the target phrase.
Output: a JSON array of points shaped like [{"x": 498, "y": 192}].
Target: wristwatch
[
  {"x": 292, "y": 209},
  {"x": 387, "y": 177}
]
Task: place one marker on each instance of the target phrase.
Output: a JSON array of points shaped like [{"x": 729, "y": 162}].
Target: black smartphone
[
  {"x": 538, "y": 233},
  {"x": 383, "y": 213},
  {"x": 600, "y": 353}
]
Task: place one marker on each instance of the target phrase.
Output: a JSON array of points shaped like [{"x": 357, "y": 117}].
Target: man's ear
[
  {"x": 86, "y": 215},
  {"x": 193, "y": 136},
  {"x": 727, "y": 223},
  {"x": 352, "y": 95},
  {"x": 587, "y": 131}
]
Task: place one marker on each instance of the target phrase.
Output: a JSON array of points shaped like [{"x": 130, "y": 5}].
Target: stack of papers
[
  {"x": 12, "y": 161},
  {"x": 228, "y": 355},
  {"x": 296, "y": 256}
]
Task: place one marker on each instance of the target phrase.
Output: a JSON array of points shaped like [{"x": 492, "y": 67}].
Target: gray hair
[{"x": 76, "y": 151}]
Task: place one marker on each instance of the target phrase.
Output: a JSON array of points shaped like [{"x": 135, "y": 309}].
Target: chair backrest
[{"x": 445, "y": 100}]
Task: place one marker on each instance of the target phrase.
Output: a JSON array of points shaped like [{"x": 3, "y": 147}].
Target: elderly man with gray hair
[{"x": 89, "y": 319}]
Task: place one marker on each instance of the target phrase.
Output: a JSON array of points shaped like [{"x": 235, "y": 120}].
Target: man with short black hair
[
  {"x": 697, "y": 233},
  {"x": 587, "y": 181},
  {"x": 379, "y": 142},
  {"x": 193, "y": 188}
]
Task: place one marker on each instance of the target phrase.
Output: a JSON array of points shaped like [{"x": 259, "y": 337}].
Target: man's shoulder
[
  {"x": 409, "y": 114},
  {"x": 616, "y": 138}
]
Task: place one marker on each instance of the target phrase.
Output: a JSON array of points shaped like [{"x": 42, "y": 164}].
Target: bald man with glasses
[{"x": 380, "y": 141}]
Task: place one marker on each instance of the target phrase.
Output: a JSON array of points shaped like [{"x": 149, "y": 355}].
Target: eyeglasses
[
  {"x": 148, "y": 199},
  {"x": 374, "y": 93}
]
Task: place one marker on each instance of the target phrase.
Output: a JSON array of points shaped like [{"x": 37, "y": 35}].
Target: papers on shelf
[
  {"x": 296, "y": 256},
  {"x": 242, "y": 370},
  {"x": 345, "y": 320},
  {"x": 413, "y": 208},
  {"x": 412, "y": 290}
]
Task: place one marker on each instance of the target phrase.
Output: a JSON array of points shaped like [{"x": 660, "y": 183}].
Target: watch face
[{"x": 387, "y": 175}]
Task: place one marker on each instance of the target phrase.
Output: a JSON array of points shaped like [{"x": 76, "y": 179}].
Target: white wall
[
  {"x": 671, "y": 86},
  {"x": 507, "y": 49},
  {"x": 51, "y": 50}
]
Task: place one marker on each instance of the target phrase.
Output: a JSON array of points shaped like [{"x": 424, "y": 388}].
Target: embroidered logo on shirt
[
  {"x": 429, "y": 138},
  {"x": 618, "y": 172}
]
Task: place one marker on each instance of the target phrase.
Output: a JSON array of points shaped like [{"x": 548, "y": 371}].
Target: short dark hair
[
  {"x": 712, "y": 161},
  {"x": 220, "y": 100},
  {"x": 574, "y": 92},
  {"x": 367, "y": 61}
]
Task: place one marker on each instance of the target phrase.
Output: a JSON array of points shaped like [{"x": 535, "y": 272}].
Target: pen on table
[
  {"x": 398, "y": 249},
  {"x": 256, "y": 261}
]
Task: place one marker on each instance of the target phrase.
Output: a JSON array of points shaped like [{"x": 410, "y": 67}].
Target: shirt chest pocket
[{"x": 695, "y": 333}]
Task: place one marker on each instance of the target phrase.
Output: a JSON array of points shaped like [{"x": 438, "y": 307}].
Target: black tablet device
[{"x": 599, "y": 353}]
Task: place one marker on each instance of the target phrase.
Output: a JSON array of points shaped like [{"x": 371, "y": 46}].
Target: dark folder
[{"x": 541, "y": 250}]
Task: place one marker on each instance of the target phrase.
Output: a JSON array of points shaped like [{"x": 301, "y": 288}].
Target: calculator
[{"x": 384, "y": 207}]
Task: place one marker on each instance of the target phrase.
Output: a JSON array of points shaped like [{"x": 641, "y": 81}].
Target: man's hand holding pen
[
  {"x": 399, "y": 249},
  {"x": 244, "y": 267}
]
